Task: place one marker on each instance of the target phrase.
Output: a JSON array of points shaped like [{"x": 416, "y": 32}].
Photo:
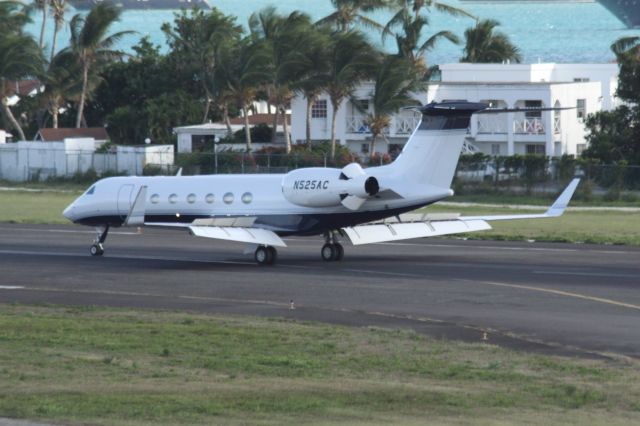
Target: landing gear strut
[
  {"x": 97, "y": 248},
  {"x": 332, "y": 249},
  {"x": 266, "y": 255}
]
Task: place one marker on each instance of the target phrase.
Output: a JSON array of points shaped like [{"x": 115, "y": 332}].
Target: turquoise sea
[{"x": 545, "y": 32}]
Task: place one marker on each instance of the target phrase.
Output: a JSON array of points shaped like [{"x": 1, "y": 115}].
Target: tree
[
  {"x": 351, "y": 60},
  {"x": 286, "y": 38},
  {"x": 244, "y": 66},
  {"x": 59, "y": 8},
  {"x": 61, "y": 82},
  {"x": 484, "y": 45},
  {"x": 92, "y": 46},
  {"x": 627, "y": 51},
  {"x": 614, "y": 136},
  {"x": 20, "y": 57},
  {"x": 395, "y": 82},
  {"x": 408, "y": 39},
  {"x": 349, "y": 13},
  {"x": 194, "y": 38}
]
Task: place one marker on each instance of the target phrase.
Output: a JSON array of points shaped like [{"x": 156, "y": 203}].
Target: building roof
[
  {"x": 22, "y": 87},
  {"x": 50, "y": 135}
]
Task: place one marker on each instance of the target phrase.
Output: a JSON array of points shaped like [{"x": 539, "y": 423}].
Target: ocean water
[{"x": 544, "y": 32}]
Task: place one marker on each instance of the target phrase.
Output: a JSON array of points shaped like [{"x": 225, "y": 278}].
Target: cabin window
[
  {"x": 209, "y": 198},
  {"x": 228, "y": 198},
  {"x": 247, "y": 197},
  {"x": 155, "y": 198},
  {"x": 173, "y": 198},
  {"x": 191, "y": 198}
]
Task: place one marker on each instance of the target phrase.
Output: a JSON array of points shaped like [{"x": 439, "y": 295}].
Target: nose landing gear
[
  {"x": 332, "y": 250},
  {"x": 97, "y": 249}
]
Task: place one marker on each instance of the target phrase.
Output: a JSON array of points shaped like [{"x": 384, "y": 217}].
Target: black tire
[
  {"x": 96, "y": 250},
  {"x": 328, "y": 252},
  {"x": 262, "y": 255},
  {"x": 339, "y": 251},
  {"x": 273, "y": 255}
]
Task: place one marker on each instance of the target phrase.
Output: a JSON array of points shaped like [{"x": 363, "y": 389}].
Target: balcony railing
[
  {"x": 400, "y": 125},
  {"x": 529, "y": 126},
  {"x": 492, "y": 124},
  {"x": 556, "y": 125}
]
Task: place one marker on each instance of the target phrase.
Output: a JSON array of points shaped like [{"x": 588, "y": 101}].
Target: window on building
[
  {"x": 537, "y": 149},
  {"x": 364, "y": 148},
  {"x": 533, "y": 104},
  {"x": 319, "y": 109},
  {"x": 495, "y": 149},
  {"x": 581, "y": 108},
  {"x": 580, "y": 148},
  {"x": 360, "y": 106},
  {"x": 581, "y": 79}
]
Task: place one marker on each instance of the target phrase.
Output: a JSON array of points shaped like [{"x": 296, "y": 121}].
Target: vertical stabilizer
[{"x": 431, "y": 154}]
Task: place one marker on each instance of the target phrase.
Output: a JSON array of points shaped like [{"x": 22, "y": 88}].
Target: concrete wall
[{"x": 24, "y": 160}]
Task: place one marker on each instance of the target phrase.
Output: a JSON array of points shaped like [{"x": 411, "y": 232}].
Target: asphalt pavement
[{"x": 568, "y": 299}]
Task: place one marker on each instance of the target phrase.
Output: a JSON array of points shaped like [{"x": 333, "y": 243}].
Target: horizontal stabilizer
[
  {"x": 242, "y": 235},
  {"x": 367, "y": 234}
]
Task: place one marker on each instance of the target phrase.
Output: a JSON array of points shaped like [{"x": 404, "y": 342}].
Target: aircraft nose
[{"x": 69, "y": 212}]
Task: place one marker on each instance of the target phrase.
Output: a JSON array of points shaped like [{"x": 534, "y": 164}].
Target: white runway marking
[{"x": 11, "y": 287}]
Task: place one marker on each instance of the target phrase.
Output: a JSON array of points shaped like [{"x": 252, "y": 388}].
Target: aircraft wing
[
  {"x": 237, "y": 229},
  {"x": 419, "y": 225}
]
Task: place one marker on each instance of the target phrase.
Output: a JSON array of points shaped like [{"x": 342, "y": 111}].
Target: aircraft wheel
[
  {"x": 96, "y": 250},
  {"x": 264, "y": 255},
  {"x": 339, "y": 251},
  {"x": 273, "y": 254},
  {"x": 328, "y": 252}
]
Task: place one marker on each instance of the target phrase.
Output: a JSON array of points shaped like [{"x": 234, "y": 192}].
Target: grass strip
[{"x": 111, "y": 366}]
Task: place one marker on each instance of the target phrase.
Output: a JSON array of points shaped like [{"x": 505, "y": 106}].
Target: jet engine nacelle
[{"x": 326, "y": 187}]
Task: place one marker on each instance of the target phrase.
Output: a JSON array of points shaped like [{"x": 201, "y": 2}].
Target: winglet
[{"x": 558, "y": 207}]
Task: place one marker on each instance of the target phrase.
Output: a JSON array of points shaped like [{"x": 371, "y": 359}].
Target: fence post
[
  {"x": 242, "y": 164},
  {"x": 325, "y": 159}
]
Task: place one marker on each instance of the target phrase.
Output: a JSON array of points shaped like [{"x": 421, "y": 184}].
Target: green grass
[
  {"x": 108, "y": 366},
  {"x": 598, "y": 227},
  {"x": 35, "y": 207}
]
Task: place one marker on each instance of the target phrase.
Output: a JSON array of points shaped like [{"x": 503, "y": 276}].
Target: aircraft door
[{"x": 124, "y": 200}]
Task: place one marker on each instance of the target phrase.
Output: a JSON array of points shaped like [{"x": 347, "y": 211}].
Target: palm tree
[
  {"x": 409, "y": 38},
  {"x": 314, "y": 72},
  {"x": 243, "y": 67},
  {"x": 395, "y": 82},
  {"x": 61, "y": 82},
  {"x": 418, "y": 5},
  {"x": 286, "y": 39},
  {"x": 625, "y": 46},
  {"x": 194, "y": 38},
  {"x": 91, "y": 44},
  {"x": 58, "y": 7},
  {"x": 43, "y": 5},
  {"x": 20, "y": 57},
  {"x": 14, "y": 16},
  {"x": 484, "y": 45},
  {"x": 350, "y": 12},
  {"x": 352, "y": 60}
]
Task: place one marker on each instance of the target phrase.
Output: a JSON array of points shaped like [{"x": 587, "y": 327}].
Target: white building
[{"x": 586, "y": 88}]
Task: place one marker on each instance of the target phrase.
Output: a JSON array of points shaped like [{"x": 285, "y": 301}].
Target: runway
[{"x": 567, "y": 299}]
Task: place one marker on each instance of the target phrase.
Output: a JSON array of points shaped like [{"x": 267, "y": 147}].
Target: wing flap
[
  {"x": 239, "y": 234},
  {"x": 368, "y": 234}
]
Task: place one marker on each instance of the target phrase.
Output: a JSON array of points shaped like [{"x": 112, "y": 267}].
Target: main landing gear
[
  {"x": 97, "y": 248},
  {"x": 332, "y": 249},
  {"x": 266, "y": 255}
]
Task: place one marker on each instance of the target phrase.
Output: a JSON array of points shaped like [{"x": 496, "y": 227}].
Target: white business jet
[{"x": 365, "y": 205}]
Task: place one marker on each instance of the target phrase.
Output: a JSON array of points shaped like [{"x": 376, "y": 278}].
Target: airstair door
[{"x": 124, "y": 200}]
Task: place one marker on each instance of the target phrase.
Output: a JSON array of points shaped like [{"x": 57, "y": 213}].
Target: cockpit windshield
[{"x": 90, "y": 190}]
